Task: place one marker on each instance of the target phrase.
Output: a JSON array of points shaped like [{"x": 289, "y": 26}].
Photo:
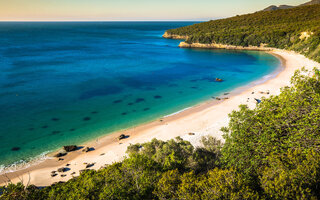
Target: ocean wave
[
  {"x": 23, "y": 164},
  {"x": 178, "y": 112}
]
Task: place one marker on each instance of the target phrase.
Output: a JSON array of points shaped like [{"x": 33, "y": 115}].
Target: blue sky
[{"x": 74, "y": 10}]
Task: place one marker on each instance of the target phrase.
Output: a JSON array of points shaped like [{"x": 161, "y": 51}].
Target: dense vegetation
[
  {"x": 280, "y": 29},
  {"x": 270, "y": 152}
]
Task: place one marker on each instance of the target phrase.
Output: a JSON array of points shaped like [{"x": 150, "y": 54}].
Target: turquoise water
[{"x": 67, "y": 83}]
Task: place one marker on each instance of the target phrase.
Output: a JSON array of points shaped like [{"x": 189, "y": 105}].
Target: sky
[{"x": 130, "y": 10}]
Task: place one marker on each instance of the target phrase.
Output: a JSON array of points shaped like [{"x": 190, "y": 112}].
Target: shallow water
[{"x": 67, "y": 83}]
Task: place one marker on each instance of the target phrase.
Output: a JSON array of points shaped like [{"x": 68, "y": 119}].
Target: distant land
[
  {"x": 281, "y": 7},
  {"x": 295, "y": 29}
]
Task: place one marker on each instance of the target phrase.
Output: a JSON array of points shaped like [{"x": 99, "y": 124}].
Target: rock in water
[
  {"x": 15, "y": 148},
  {"x": 218, "y": 80},
  {"x": 70, "y": 148}
]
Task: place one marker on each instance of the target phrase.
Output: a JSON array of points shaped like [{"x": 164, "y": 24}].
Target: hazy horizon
[{"x": 129, "y": 10}]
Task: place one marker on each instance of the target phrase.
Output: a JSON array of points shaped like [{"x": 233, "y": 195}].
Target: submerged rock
[
  {"x": 15, "y": 148},
  {"x": 86, "y": 118}
]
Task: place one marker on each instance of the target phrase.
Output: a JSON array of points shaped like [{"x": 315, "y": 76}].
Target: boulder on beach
[
  {"x": 60, "y": 154},
  {"x": 62, "y": 169},
  {"x": 122, "y": 136},
  {"x": 70, "y": 148},
  {"x": 87, "y": 149},
  {"x": 89, "y": 165}
]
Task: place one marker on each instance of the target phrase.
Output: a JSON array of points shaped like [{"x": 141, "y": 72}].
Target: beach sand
[{"x": 204, "y": 119}]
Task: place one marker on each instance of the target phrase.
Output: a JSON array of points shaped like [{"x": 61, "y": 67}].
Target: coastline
[{"x": 204, "y": 119}]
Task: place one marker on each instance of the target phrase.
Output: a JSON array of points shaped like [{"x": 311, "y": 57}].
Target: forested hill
[{"x": 295, "y": 29}]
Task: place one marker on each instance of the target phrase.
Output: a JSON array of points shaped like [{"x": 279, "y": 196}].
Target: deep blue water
[{"x": 67, "y": 83}]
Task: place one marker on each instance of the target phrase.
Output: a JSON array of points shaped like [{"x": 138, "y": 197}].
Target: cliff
[
  {"x": 174, "y": 36},
  {"x": 223, "y": 46}
]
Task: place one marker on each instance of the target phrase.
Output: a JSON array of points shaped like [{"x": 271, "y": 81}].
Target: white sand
[{"x": 204, "y": 119}]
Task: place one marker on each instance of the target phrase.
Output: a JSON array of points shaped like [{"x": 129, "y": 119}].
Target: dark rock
[
  {"x": 63, "y": 175},
  {"x": 55, "y": 132},
  {"x": 191, "y": 133},
  {"x": 68, "y": 165},
  {"x": 53, "y": 174},
  {"x": 226, "y": 93},
  {"x": 122, "y": 136},
  {"x": 86, "y": 119},
  {"x": 45, "y": 126},
  {"x": 157, "y": 97},
  {"x": 218, "y": 98},
  {"x": 70, "y": 148},
  {"x": 55, "y": 119},
  {"x": 89, "y": 165},
  {"x": 218, "y": 80},
  {"x": 60, "y": 154},
  {"x": 117, "y": 101},
  {"x": 15, "y": 148},
  {"x": 87, "y": 149},
  {"x": 138, "y": 100},
  {"x": 60, "y": 159},
  {"x": 62, "y": 169}
]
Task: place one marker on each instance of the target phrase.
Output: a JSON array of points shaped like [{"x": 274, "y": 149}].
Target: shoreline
[{"x": 203, "y": 119}]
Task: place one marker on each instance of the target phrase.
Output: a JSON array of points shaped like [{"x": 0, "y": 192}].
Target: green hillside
[{"x": 295, "y": 29}]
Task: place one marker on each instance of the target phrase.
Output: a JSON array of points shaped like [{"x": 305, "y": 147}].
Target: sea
[{"x": 64, "y": 83}]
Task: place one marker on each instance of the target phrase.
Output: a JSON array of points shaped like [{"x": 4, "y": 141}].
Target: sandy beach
[{"x": 204, "y": 119}]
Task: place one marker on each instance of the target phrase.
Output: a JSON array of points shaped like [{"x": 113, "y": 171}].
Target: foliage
[
  {"x": 270, "y": 152},
  {"x": 280, "y": 29}
]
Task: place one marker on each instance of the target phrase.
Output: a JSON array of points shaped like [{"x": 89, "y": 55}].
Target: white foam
[
  {"x": 23, "y": 164},
  {"x": 178, "y": 112}
]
